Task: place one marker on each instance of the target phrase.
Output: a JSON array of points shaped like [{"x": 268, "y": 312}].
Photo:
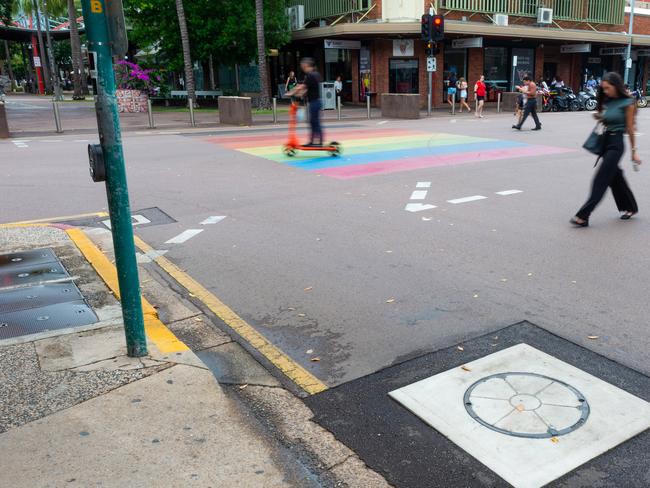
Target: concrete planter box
[
  {"x": 235, "y": 110},
  {"x": 400, "y": 105},
  {"x": 131, "y": 101}
]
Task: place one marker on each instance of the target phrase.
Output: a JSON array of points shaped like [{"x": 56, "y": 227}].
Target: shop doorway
[
  {"x": 456, "y": 63},
  {"x": 338, "y": 62},
  {"x": 403, "y": 76},
  {"x": 550, "y": 71}
]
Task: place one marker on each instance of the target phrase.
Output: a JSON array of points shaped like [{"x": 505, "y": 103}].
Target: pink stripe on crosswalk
[{"x": 393, "y": 166}]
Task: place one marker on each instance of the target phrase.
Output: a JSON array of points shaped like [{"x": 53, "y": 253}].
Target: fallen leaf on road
[
  {"x": 301, "y": 315},
  {"x": 555, "y": 440},
  {"x": 198, "y": 319},
  {"x": 476, "y": 295},
  {"x": 460, "y": 348},
  {"x": 593, "y": 337},
  {"x": 520, "y": 408},
  {"x": 465, "y": 368},
  {"x": 390, "y": 300},
  {"x": 291, "y": 308},
  {"x": 192, "y": 295},
  {"x": 241, "y": 387},
  {"x": 309, "y": 288},
  {"x": 494, "y": 345},
  {"x": 314, "y": 360},
  {"x": 309, "y": 351}
]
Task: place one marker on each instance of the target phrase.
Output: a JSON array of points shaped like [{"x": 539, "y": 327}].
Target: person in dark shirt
[{"x": 310, "y": 89}]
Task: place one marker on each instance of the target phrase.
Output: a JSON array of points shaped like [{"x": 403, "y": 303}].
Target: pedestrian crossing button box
[{"x": 96, "y": 159}]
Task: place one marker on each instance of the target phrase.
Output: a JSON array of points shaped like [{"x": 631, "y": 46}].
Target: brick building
[{"x": 379, "y": 41}]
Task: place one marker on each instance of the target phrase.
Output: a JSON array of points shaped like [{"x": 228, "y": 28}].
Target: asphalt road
[{"x": 337, "y": 266}]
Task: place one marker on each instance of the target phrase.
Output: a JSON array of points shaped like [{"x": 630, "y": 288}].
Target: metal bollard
[
  {"x": 191, "y": 105},
  {"x": 338, "y": 106},
  {"x": 368, "y": 104},
  {"x": 57, "y": 117},
  {"x": 499, "y": 102},
  {"x": 453, "y": 104},
  {"x": 150, "y": 114},
  {"x": 275, "y": 110},
  {"x": 475, "y": 104}
]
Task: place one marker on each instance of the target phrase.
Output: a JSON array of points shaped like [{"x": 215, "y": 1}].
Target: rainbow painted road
[{"x": 385, "y": 151}]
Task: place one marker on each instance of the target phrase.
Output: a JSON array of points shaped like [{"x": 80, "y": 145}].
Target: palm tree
[
  {"x": 75, "y": 46},
  {"x": 187, "y": 58},
  {"x": 265, "y": 95}
]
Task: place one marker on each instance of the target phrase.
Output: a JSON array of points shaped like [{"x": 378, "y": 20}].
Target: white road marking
[
  {"x": 418, "y": 207},
  {"x": 215, "y": 219},
  {"x": 423, "y": 184},
  {"x": 135, "y": 220},
  {"x": 419, "y": 195},
  {"x": 467, "y": 199},
  {"x": 184, "y": 236},
  {"x": 82, "y": 140},
  {"x": 168, "y": 132},
  {"x": 508, "y": 192},
  {"x": 382, "y": 122}
]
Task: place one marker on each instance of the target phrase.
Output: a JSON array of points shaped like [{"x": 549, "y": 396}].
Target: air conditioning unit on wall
[
  {"x": 501, "y": 19},
  {"x": 544, "y": 15},
  {"x": 296, "y": 16}
]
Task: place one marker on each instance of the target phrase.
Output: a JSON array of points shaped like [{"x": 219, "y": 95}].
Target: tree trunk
[
  {"x": 75, "y": 45},
  {"x": 41, "y": 50},
  {"x": 58, "y": 94},
  {"x": 187, "y": 58},
  {"x": 265, "y": 95},
  {"x": 28, "y": 64},
  {"x": 9, "y": 68}
]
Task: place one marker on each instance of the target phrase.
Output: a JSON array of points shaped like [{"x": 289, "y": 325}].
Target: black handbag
[{"x": 595, "y": 143}]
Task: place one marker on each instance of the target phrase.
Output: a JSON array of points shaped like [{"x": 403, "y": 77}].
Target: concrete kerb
[{"x": 101, "y": 349}]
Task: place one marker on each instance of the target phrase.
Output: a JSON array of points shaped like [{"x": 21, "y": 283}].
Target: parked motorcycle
[
  {"x": 563, "y": 99},
  {"x": 573, "y": 102},
  {"x": 587, "y": 99},
  {"x": 641, "y": 100}
]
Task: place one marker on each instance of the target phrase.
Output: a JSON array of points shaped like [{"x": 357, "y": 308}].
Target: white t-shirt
[{"x": 338, "y": 85}]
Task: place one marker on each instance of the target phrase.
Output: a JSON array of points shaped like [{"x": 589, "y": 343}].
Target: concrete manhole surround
[{"x": 535, "y": 406}]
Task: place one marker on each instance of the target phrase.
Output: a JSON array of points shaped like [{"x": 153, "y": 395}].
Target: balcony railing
[
  {"x": 320, "y": 9},
  {"x": 594, "y": 11}
]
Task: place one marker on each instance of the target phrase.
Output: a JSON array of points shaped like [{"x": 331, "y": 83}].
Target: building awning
[
  {"x": 412, "y": 29},
  {"x": 25, "y": 35}
]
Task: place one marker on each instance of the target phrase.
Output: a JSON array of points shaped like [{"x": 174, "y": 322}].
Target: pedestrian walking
[
  {"x": 451, "y": 89},
  {"x": 479, "y": 91},
  {"x": 529, "y": 90},
  {"x": 291, "y": 83},
  {"x": 617, "y": 112},
  {"x": 462, "y": 86}
]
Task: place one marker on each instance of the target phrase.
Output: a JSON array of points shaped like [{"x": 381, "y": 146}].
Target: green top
[{"x": 614, "y": 114}]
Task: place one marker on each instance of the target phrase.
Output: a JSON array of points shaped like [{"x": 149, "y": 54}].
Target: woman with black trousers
[{"x": 617, "y": 112}]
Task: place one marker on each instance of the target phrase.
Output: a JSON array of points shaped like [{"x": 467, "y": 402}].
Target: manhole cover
[
  {"x": 26, "y": 258},
  {"x": 38, "y": 296},
  {"x": 526, "y": 405},
  {"x": 51, "y": 317}
]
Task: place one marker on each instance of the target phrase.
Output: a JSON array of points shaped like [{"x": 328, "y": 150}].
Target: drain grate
[
  {"x": 38, "y": 296},
  {"x": 26, "y": 258},
  {"x": 42, "y": 319},
  {"x": 29, "y": 275}
]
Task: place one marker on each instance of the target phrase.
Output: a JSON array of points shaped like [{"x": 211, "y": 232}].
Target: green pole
[{"x": 97, "y": 31}]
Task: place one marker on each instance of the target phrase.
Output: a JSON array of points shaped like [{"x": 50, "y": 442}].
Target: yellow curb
[
  {"x": 55, "y": 219},
  {"x": 156, "y": 331},
  {"x": 299, "y": 375}
]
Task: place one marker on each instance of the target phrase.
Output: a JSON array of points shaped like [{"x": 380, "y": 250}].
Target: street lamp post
[{"x": 628, "y": 54}]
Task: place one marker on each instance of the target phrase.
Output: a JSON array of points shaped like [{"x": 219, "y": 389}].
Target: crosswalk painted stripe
[
  {"x": 467, "y": 199},
  {"x": 184, "y": 236}
]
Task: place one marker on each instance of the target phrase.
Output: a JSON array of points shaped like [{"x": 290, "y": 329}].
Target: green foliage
[
  {"x": 225, "y": 29},
  {"x": 5, "y": 9}
]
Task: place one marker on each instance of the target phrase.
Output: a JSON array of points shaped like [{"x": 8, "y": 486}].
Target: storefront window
[
  {"x": 338, "y": 62},
  {"x": 525, "y": 64},
  {"x": 496, "y": 66},
  {"x": 403, "y": 76}
]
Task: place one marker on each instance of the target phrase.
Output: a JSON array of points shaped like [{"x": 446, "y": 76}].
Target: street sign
[
  {"x": 37, "y": 62},
  {"x": 514, "y": 61},
  {"x": 431, "y": 64}
]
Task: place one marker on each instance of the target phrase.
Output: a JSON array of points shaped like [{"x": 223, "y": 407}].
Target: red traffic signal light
[{"x": 438, "y": 28}]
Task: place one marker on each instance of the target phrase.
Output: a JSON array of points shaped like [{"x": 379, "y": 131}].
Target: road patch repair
[
  {"x": 382, "y": 151},
  {"x": 519, "y": 407}
]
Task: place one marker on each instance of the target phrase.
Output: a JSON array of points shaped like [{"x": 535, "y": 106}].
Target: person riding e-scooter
[{"x": 310, "y": 88}]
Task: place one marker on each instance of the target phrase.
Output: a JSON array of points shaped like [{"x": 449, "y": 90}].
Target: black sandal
[
  {"x": 628, "y": 215},
  {"x": 584, "y": 223}
]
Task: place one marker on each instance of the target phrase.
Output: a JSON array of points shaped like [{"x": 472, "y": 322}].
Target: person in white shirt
[{"x": 338, "y": 86}]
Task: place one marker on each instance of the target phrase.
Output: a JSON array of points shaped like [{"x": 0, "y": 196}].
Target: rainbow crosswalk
[{"x": 383, "y": 151}]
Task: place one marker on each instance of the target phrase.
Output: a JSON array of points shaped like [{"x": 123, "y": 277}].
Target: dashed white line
[
  {"x": 382, "y": 122},
  {"x": 184, "y": 236},
  {"x": 418, "y": 207},
  {"x": 215, "y": 219},
  {"x": 508, "y": 192},
  {"x": 423, "y": 184},
  {"x": 466, "y": 199},
  {"x": 419, "y": 195}
]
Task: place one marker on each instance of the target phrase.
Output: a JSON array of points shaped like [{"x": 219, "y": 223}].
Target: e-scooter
[{"x": 292, "y": 145}]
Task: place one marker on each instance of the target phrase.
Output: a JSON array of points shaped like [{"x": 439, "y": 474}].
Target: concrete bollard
[
  {"x": 191, "y": 106},
  {"x": 275, "y": 110},
  {"x": 368, "y": 104},
  {"x": 499, "y": 102},
  {"x": 453, "y": 104},
  {"x": 57, "y": 117},
  {"x": 150, "y": 114}
]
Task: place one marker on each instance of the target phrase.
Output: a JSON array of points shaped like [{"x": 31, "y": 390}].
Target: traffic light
[
  {"x": 431, "y": 49},
  {"x": 427, "y": 21},
  {"x": 438, "y": 28}
]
